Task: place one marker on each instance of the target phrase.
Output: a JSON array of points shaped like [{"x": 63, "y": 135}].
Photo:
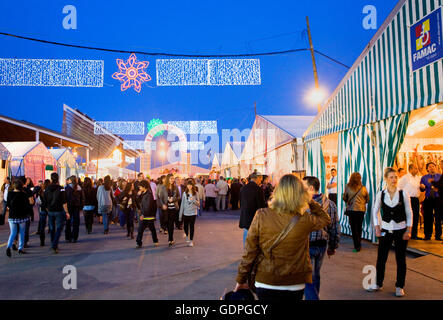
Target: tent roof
[
  {"x": 293, "y": 125},
  {"x": 237, "y": 147},
  {"x": 229, "y": 157},
  {"x": 20, "y": 149},
  {"x": 57, "y": 153}
]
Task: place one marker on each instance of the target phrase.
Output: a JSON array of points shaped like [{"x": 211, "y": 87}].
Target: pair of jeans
[
  {"x": 384, "y": 246},
  {"x": 73, "y": 224},
  {"x": 221, "y": 202},
  {"x": 317, "y": 255},
  {"x": 142, "y": 225},
  {"x": 188, "y": 224},
  {"x": 89, "y": 219},
  {"x": 415, "y": 205},
  {"x": 279, "y": 295},
  {"x": 200, "y": 210},
  {"x": 106, "y": 212},
  {"x": 43, "y": 217},
  {"x": 172, "y": 214},
  {"x": 164, "y": 219},
  {"x": 17, "y": 229},
  {"x": 432, "y": 211},
  {"x": 245, "y": 235},
  {"x": 56, "y": 223},
  {"x": 356, "y": 222}
]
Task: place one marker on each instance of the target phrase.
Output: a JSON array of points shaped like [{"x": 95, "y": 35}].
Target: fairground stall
[
  {"x": 5, "y": 157},
  {"x": 387, "y": 110},
  {"x": 274, "y": 146},
  {"x": 66, "y": 164},
  {"x": 30, "y": 159},
  {"x": 230, "y": 165}
]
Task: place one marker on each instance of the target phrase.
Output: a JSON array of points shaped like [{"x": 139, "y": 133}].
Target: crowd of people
[
  {"x": 175, "y": 202},
  {"x": 288, "y": 229}
]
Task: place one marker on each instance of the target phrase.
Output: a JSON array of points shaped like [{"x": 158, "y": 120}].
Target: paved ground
[{"x": 109, "y": 267}]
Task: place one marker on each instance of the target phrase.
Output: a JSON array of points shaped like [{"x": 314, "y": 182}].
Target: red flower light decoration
[{"x": 131, "y": 73}]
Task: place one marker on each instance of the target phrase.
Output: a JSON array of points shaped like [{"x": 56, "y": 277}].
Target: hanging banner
[{"x": 426, "y": 40}]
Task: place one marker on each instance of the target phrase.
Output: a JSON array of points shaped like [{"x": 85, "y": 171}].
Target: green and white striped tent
[{"x": 371, "y": 106}]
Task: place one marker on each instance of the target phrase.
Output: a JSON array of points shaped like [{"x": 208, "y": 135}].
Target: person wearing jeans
[
  {"x": 54, "y": 200},
  {"x": 18, "y": 205},
  {"x": 104, "y": 202},
  {"x": 148, "y": 210},
  {"x": 392, "y": 220}
]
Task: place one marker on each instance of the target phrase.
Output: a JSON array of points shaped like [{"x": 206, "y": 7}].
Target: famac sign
[{"x": 426, "y": 40}]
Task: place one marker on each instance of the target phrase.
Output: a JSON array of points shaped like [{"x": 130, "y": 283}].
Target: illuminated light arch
[
  {"x": 183, "y": 143},
  {"x": 132, "y": 73}
]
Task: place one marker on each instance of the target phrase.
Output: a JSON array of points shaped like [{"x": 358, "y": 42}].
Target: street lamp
[{"x": 316, "y": 96}]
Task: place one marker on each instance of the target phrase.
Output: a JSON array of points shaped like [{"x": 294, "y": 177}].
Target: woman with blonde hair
[
  {"x": 277, "y": 244},
  {"x": 392, "y": 218},
  {"x": 356, "y": 197}
]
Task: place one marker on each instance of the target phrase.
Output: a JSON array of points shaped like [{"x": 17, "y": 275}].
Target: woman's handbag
[
  {"x": 260, "y": 256},
  {"x": 349, "y": 201}
]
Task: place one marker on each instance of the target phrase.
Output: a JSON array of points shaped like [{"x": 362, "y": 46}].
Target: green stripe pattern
[{"x": 316, "y": 162}]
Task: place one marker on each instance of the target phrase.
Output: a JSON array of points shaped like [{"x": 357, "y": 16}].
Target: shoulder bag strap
[
  {"x": 284, "y": 233},
  {"x": 349, "y": 200}
]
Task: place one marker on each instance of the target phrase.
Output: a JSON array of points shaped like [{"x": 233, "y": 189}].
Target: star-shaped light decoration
[{"x": 132, "y": 73}]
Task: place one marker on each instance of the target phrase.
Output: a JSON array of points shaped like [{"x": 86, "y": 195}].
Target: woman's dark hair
[
  {"x": 87, "y": 184},
  {"x": 107, "y": 183},
  {"x": 145, "y": 184},
  {"x": 192, "y": 183},
  {"x": 354, "y": 181},
  {"x": 128, "y": 188},
  {"x": 18, "y": 185},
  {"x": 46, "y": 183},
  {"x": 74, "y": 181}
]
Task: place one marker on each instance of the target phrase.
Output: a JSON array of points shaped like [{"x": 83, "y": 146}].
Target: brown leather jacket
[
  {"x": 290, "y": 263},
  {"x": 359, "y": 201}
]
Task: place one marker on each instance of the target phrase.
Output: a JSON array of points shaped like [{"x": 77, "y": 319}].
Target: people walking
[
  {"x": 431, "y": 208},
  {"x": 356, "y": 198},
  {"x": 267, "y": 188},
  {"x": 328, "y": 237},
  {"x": 222, "y": 187},
  {"x": 54, "y": 200},
  {"x": 104, "y": 200},
  {"x": 89, "y": 203},
  {"x": 392, "y": 219},
  {"x": 74, "y": 197},
  {"x": 43, "y": 212},
  {"x": 162, "y": 204},
  {"x": 172, "y": 206},
  {"x": 4, "y": 190},
  {"x": 211, "y": 195},
  {"x": 127, "y": 204},
  {"x": 277, "y": 246},
  {"x": 332, "y": 186},
  {"x": 18, "y": 204},
  {"x": 251, "y": 199},
  {"x": 201, "y": 196},
  {"x": 410, "y": 182},
  {"x": 188, "y": 211},
  {"x": 148, "y": 213},
  {"x": 235, "y": 194}
]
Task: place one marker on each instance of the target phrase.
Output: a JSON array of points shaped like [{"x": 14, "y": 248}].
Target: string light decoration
[
  {"x": 196, "y": 127},
  {"x": 152, "y": 124},
  {"x": 51, "y": 73},
  {"x": 209, "y": 72},
  {"x": 119, "y": 127},
  {"x": 137, "y": 144},
  {"x": 132, "y": 73}
]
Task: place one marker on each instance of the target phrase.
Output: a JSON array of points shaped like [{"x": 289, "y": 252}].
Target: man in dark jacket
[
  {"x": 54, "y": 200},
  {"x": 147, "y": 213},
  {"x": 251, "y": 199},
  {"x": 74, "y": 198}
]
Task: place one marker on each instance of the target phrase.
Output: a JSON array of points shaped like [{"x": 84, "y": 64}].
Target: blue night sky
[{"x": 192, "y": 27}]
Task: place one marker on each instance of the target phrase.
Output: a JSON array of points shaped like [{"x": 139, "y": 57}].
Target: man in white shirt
[
  {"x": 222, "y": 187},
  {"x": 332, "y": 186},
  {"x": 410, "y": 182},
  {"x": 211, "y": 194}
]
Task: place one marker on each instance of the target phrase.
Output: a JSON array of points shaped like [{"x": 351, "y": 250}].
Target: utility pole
[{"x": 314, "y": 66}]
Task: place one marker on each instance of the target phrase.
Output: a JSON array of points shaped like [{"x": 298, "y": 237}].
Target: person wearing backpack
[
  {"x": 74, "y": 196},
  {"x": 54, "y": 200},
  {"x": 356, "y": 198},
  {"x": 148, "y": 212}
]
